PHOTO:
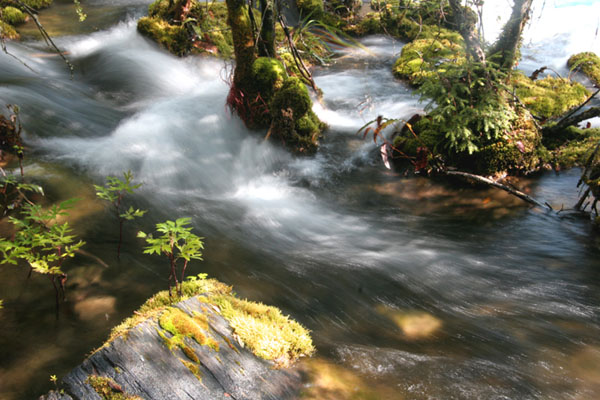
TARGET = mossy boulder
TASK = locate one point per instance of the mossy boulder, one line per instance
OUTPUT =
(174, 38)
(293, 118)
(588, 63)
(204, 30)
(269, 75)
(425, 58)
(549, 97)
(13, 16)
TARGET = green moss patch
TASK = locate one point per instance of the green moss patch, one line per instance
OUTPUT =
(108, 389)
(12, 15)
(426, 58)
(293, 118)
(204, 30)
(588, 63)
(549, 97)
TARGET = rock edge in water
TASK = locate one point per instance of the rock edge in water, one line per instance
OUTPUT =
(150, 362)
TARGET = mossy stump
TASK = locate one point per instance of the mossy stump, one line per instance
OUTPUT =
(209, 345)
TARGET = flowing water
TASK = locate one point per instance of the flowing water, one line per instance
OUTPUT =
(422, 289)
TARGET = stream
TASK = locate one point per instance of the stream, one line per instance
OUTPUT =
(337, 241)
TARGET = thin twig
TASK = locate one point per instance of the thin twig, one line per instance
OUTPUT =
(493, 183)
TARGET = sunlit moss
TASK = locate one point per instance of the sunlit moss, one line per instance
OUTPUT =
(12, 15)
(179, 323)
(157, 303)
(108, 389)
(425, 58)
(588, 63)
(549, 97)
(205, 30)
(265, 330)
(172, 37)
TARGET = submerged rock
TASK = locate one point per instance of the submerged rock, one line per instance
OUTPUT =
(198, 349)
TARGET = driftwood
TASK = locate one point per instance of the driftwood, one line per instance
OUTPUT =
(508, 189)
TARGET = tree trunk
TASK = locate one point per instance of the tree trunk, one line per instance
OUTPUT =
(243, 42)
(506, 49)
(266, 40)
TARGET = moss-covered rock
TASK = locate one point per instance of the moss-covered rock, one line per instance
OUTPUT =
(204, 31)
(13, 16)
(269, 75)
(549, 97)
(293, 118)
(425, 58)
(588, 63)
(174, 38)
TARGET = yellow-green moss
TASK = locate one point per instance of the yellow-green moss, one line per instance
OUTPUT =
(549, 97)
(12, 15)
(425, 58)
(588, 63)
(193, 367)
(157, 303)
(108, 388)
(174, 38)
(205, 30)
(269, 75)
(8, 31)
(265, 330)
(179, 323)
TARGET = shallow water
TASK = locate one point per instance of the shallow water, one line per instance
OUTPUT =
(506, 297)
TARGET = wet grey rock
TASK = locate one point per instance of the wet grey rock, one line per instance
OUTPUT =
(142, 365)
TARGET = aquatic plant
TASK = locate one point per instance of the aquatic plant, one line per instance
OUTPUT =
(177, 242)
(113, 192)
(42, 242)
